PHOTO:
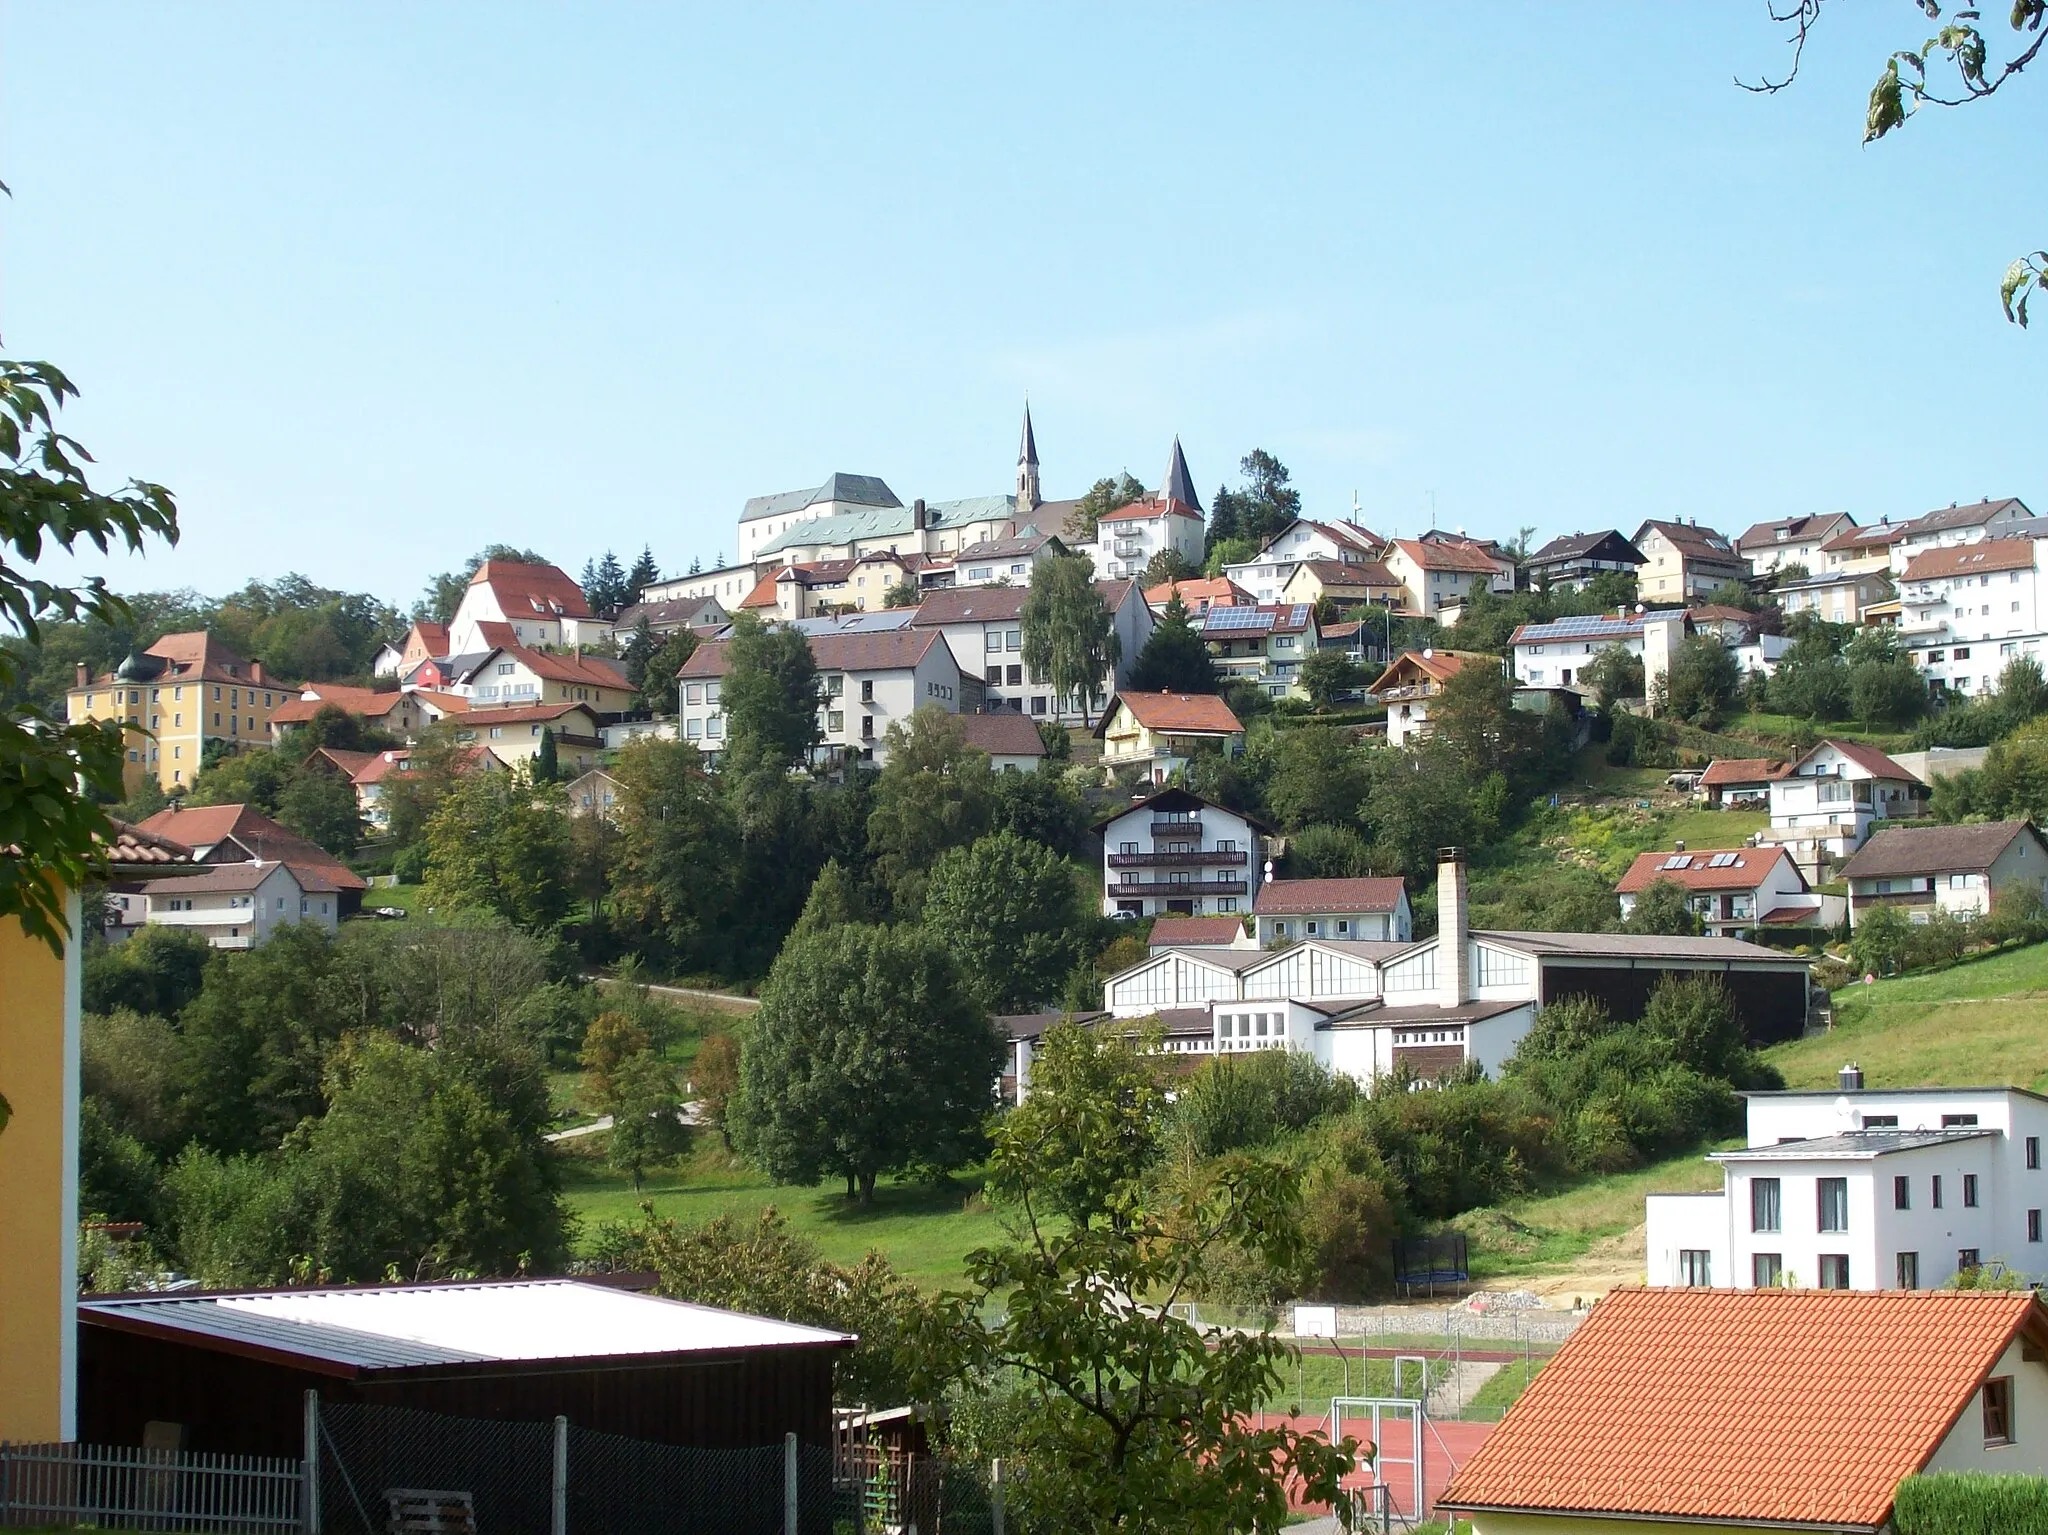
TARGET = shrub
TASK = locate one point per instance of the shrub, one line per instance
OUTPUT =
(1239, 1101)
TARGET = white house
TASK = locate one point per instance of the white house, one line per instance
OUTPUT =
(1303, 542)
(1733, 891)
(1412, 680)
(1770, 546)
(1824, 805)
(1372, 909)
(1012, 741)
(1264, 645)
(1176, 853)
(1683, 561)
(1006, 561)
(1129, 538)
(1436, 574)
(594, 793)
(983, 627)
(1855, 1188)
(238, 905)
(1966, 610)
(1965, 523)
(508, 603)
(867, 681)
(727, 586)
(1956, 869)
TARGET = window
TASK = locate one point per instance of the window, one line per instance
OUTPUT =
(1766, 1270)
(1834, 1271)
(995, 677)
(1038, 706)
(2033, 1225)
(693, 729)
(1968, 1259)
(1279, 929)
(992, 639)
(1881, 1122)
(1696, 1267)
(1909, 1271)
(1013, 639)
(835, 719)
(1226, 903)
(1343, 927)
(1834, 1204)
(867, 727)
(1016, 679)
(1934, 1192)
(1764, 1214)
(1998, 1411)
(1969, 1191)
(1127, 847)
(2033, 1153)
(1955, 1121)
(715, 726)
(1902, 1193)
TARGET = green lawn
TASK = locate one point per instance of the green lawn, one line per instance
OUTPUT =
(1501, 1391)
(923, 1231)
(1529, 1236)
(1779, 729)
(1984, 1023)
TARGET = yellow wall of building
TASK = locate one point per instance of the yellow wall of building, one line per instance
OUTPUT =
(183, 716)
(1569, 1524)
(38, 1186)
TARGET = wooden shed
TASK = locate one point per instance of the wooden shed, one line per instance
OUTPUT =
(232, 1369)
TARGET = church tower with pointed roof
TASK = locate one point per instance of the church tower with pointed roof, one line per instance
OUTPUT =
(1179, 485)
(1028, 498)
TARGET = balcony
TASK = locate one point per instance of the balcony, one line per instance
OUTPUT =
(1174, 890)
(1176, 828)
(1210, 860)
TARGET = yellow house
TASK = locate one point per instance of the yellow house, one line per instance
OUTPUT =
(1162, 731)
(1701, 1411)
(185, 690)
(39, 995)
(514, 675)
(513, 735)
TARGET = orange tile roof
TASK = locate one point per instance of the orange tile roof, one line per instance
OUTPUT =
(1219, 591)
(1437, 665)
(1201, 713)
(1727, 770)
(207, 826)
(1751, 866)
(1283, 897)
(1003, 735)
(1196, 932)
(1796, 1406)
(1457, 556)
(447, 703)
(365, 703)
(528, 714)
(585, 671)
(763, 594)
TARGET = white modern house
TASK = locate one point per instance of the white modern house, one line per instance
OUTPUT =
(1956, 869)
(1856, 1188)
(1176, 853)
(1374, 910)
(1968, 522)
(1824, 804)
(867, 681)
(238, 905)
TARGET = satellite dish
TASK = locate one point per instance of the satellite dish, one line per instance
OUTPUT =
(1427, 653)
(1845, 1109)
(1639, 607)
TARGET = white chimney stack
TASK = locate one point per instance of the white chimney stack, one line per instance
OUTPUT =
(1453, 927)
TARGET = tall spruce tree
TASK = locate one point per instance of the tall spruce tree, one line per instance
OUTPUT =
(1175, 659)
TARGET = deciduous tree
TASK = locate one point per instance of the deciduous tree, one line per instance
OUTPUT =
(1070, 638)
(935, 792)
(500, 843)
(770, 697)
(1010, 911)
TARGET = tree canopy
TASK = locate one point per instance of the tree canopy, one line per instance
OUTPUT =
(1175, 659)
(1070, 637)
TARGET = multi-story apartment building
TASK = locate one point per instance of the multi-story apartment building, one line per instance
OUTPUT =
(1967, 609)
(509, 603)
(1858, 1188)
(1437, 574)
(1770, 546)
(175, 697)
(1263, 645)
(1683, 561)
(867, 681)
(727, 585)
(1175, 852)
(1571, 560)
(1128, 539)
(1966, 523)
(983, 626)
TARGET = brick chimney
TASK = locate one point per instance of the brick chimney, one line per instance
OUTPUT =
(84, 675)
(917, 514)
(1453, 927)
(256, 673)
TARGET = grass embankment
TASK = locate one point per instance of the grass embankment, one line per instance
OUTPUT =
(1980, 1023)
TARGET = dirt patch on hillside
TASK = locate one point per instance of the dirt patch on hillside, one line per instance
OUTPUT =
(1611, 1261)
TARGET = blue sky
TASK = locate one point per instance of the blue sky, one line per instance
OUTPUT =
(368, 286)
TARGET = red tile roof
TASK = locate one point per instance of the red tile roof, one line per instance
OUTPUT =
(578, 670)
(1731, 770)
(863, 651)
(364, 703)
(1869, 758)
(763, 594)
(1286, 897)
(1456, 556)
(1180, 713)
(530, 591)
(971, 605)
(495, 634)
(243, 876)
(1196, 932)
(1797, 1406)
(1217, 591)
(433, 637)
(1003, 735)
(348, 763)
(528, 714)
(132, 845)
(1751, 866)
(208, 826)
(1147, 509)
(1692, 542)
(1437, 665)
(1969, 559)
(446, 703)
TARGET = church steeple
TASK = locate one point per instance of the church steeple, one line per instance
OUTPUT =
(1027, 468)
(1180, 485)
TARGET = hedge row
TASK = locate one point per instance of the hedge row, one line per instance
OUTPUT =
(1971, 1503)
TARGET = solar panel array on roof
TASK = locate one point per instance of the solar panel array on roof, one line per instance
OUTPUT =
(1237, 619)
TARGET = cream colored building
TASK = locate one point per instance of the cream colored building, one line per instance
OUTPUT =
(175, 697)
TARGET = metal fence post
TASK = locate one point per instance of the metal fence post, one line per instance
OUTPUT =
(309, 1489)
(559, 1514)
(995, 1497)
(789, 1484)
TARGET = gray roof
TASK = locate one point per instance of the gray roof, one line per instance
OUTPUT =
(1851, 1145)
(951, 514)
(1573, 546)
(1180, 485)
(839, 528)
(1973, 515)
(852, 489)
(1637, 946)
(971, 605)
(1002, 548)
(878, 622)
(1032, 1025)
(1027, 449)
(1935, 849)
(1371, 1015)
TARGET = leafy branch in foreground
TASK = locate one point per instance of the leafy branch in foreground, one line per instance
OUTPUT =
(1126, 1417)
(1959, 48)
(51, 830)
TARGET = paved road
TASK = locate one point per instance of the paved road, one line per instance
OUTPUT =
(692, 1113)
(692, 994)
